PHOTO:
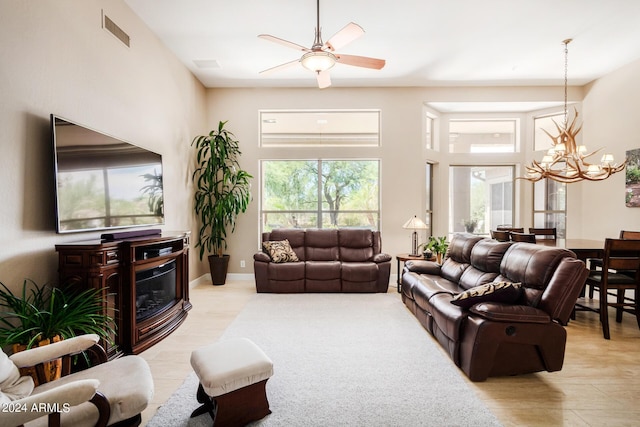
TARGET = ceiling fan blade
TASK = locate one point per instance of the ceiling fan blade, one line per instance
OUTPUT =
(324, 79)
(346, 35)
(283, 42)
(361, 61)
(280, 67)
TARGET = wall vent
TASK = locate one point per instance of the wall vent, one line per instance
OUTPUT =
(111, 26)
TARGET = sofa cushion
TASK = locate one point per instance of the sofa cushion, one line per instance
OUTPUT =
(286, 271)
(280, 251)
(359, 271)
(447, 317)
(355, 245)
(510, 313)
(428, 287)
(505, 292)
(473, 277)
(322, 270)
(458, 256)
(321, 245)
(533, 266)
(487, 254)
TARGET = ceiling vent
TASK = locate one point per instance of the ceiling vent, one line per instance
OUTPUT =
(207, 63)
(111, 26)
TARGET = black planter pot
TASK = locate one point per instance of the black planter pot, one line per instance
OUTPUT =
(218, 267)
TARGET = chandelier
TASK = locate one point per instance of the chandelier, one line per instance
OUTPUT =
(566, 161)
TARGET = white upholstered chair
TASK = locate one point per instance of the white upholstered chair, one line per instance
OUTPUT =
(108, 393)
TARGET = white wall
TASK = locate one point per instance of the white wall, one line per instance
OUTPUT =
(402, 151)
(57, 59)
(597, 209)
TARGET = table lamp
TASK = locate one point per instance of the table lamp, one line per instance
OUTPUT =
(415, 223)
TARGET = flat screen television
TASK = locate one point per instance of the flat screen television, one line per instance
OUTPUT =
(102, 182)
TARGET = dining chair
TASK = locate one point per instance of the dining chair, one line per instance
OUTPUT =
(544, 233)
(510, 228)
(523, 237)
(619, 255)
(501, 235)
(596, 263)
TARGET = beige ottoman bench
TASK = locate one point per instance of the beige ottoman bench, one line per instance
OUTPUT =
(233, 375)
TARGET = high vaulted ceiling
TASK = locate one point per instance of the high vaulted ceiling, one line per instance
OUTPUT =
(425, 42)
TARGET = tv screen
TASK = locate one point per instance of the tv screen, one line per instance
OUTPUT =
(103, 182)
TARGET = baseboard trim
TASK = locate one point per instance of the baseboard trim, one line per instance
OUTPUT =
(206, 278)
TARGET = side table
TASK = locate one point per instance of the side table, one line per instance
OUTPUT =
(404, 258)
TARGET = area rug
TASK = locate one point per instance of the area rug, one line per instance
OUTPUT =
(344, 360)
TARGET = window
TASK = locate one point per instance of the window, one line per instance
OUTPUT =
(328, 128)
(549, 197)
(480, 197)
(429, 207)
(550, 205)
(320, 194)
(428, 132)
(482, 136)
(542, 141)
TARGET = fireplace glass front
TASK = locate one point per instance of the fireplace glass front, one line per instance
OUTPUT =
(155, 289)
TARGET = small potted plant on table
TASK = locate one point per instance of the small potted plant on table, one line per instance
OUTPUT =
(439, 245)
(427, 249)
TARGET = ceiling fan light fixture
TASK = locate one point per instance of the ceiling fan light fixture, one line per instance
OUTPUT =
(318, 61)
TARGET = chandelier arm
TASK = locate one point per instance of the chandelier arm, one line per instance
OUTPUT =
(554, 138)
(591, 153)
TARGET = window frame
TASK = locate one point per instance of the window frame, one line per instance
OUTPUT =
(452, 225)
(514, 147)
(320, 211)
(321, 139)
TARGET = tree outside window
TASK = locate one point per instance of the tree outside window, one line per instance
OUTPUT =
(320, 194)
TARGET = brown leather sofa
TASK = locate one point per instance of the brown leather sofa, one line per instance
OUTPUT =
(497, 338)
(330, 260)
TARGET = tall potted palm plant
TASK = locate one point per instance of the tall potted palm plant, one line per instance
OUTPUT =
(222, 192)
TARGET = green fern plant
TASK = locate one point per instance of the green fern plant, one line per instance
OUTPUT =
(41, 312)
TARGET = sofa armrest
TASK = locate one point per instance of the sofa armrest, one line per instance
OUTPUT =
(501, 312)
(261, 256)
(423, 267)
(378, 258)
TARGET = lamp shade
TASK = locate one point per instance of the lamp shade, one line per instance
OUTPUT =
(415, 223)
(318, 61)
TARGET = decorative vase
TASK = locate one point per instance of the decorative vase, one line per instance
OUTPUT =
(439, 258)
(51, 370)
(427, 255)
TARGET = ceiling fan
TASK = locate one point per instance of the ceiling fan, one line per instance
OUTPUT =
(321, 57)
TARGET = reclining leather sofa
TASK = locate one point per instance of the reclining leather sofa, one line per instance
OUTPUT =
(492, 335)
(328, 260)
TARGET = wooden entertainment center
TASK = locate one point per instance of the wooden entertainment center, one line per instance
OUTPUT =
(144, 280)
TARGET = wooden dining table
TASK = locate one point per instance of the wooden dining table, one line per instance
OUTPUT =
(583, 248)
